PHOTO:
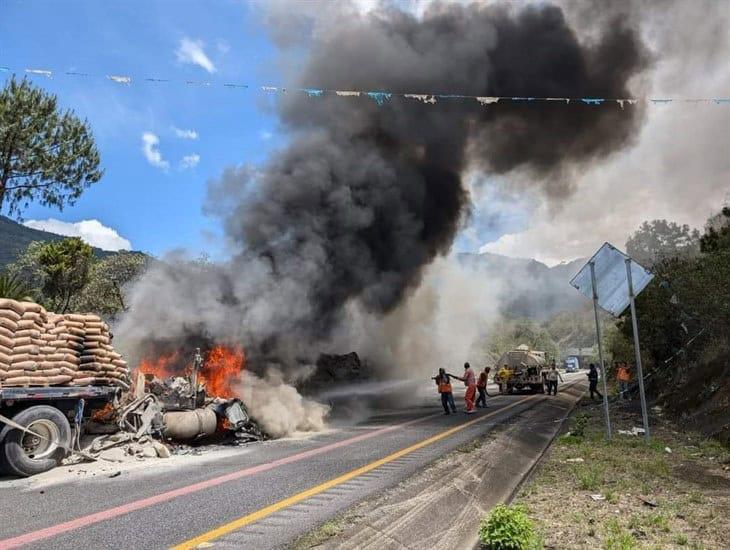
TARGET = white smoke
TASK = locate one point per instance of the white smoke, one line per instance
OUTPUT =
(278, 407)
(442, 324)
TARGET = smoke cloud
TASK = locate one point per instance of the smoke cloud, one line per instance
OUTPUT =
(365, 196)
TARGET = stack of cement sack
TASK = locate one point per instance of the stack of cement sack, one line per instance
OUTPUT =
(38, 348)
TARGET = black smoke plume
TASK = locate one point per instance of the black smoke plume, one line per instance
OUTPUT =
(366, 195)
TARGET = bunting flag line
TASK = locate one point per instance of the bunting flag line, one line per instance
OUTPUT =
(380, 97)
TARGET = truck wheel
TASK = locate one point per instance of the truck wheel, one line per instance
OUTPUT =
(24, 454)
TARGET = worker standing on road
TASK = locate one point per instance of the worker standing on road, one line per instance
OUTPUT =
(593, 381)
(482, 387)
(623, 373)
(470, 381)
(552, 380)
(443, 381)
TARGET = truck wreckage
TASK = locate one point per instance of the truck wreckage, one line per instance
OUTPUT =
(156, 418)
(60, 378)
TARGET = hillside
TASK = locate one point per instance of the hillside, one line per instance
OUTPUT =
(15, 238)
(530, 288)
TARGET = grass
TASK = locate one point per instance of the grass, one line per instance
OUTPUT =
(591, 477)
(688, 489)
(322, 534)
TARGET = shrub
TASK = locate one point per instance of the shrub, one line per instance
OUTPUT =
(508, 528)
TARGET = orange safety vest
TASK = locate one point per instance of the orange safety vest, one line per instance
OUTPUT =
(444, 385)
(623, 374)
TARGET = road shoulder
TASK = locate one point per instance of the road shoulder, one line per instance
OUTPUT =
(441, 506)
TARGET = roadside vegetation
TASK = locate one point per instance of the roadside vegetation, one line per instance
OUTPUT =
(625, 494)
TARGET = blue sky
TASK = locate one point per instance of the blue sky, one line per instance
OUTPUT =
(154, 199)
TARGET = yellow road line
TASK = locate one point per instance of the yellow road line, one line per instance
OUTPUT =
(294, 499)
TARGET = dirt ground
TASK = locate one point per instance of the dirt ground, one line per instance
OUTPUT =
(672, 493)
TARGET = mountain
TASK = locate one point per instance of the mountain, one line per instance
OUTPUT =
(15, 238)
(529, 288)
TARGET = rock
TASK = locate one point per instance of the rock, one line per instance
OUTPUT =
(149, 452)
(115, 454)
(161, 449)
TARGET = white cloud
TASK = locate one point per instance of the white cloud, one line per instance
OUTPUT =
(189, 161)
(185, 134)
(265, 135)
(150, 148)
(191, 51)
(92, 232)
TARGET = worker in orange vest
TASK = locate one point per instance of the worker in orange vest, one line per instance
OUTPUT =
(623, 373)
(482, 388)
(443, 382)
(470, 381)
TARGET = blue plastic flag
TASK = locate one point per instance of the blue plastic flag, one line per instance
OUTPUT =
(380, 97)
(592, 100)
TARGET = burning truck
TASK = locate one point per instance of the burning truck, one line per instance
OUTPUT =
(60, 378)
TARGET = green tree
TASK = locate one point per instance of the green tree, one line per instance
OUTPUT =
(717, 235)
(46, 155)
(26, 269)
(659, 240)
(105, 293)
(12, 287)
(66, 265)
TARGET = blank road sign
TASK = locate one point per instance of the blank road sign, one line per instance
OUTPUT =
(611, 280)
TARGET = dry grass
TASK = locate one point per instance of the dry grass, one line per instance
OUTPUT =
(690, 487)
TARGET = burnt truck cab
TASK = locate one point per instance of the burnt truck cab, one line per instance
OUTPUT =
(50, 415)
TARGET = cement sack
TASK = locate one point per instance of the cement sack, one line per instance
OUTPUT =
(68, 371)
(12, 373)
(48, 350)
(32, 307)
(47, 372)
(8, 324)
(6, 342)
(91, 345)
(93, 331)
(17, 381)
(13, 306)
(59, 379)
(74, 317)
(25, 324)
(76, 332)
(69, 358)
(6, 332)
(17, 342)
(91, 318)
(72, 324)
(98, 339)
(32, 333)
(26, 365)
(5, 359)
(30, 350)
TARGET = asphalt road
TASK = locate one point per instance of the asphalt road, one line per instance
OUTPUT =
(273, 492)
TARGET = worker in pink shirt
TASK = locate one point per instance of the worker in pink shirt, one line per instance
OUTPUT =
(470, 381)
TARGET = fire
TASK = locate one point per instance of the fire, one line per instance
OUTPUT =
(162, 366)
(105, 414)
(221, 369)
(222, 366)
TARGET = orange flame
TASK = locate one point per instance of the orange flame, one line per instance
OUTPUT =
(221, 369)
(162, 366)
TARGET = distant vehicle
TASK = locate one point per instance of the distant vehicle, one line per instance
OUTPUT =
(525, 370)
(571, 364)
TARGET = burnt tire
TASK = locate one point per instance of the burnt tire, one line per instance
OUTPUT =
(25, 455)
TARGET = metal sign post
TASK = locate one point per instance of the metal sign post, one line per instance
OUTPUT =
(639, 372)
(600, 350)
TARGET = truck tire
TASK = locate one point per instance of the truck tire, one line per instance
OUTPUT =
(23, 454)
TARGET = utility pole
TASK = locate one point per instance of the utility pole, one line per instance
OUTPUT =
(639, 372)
(600, 349)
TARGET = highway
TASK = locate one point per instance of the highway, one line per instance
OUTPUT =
(260, 496)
